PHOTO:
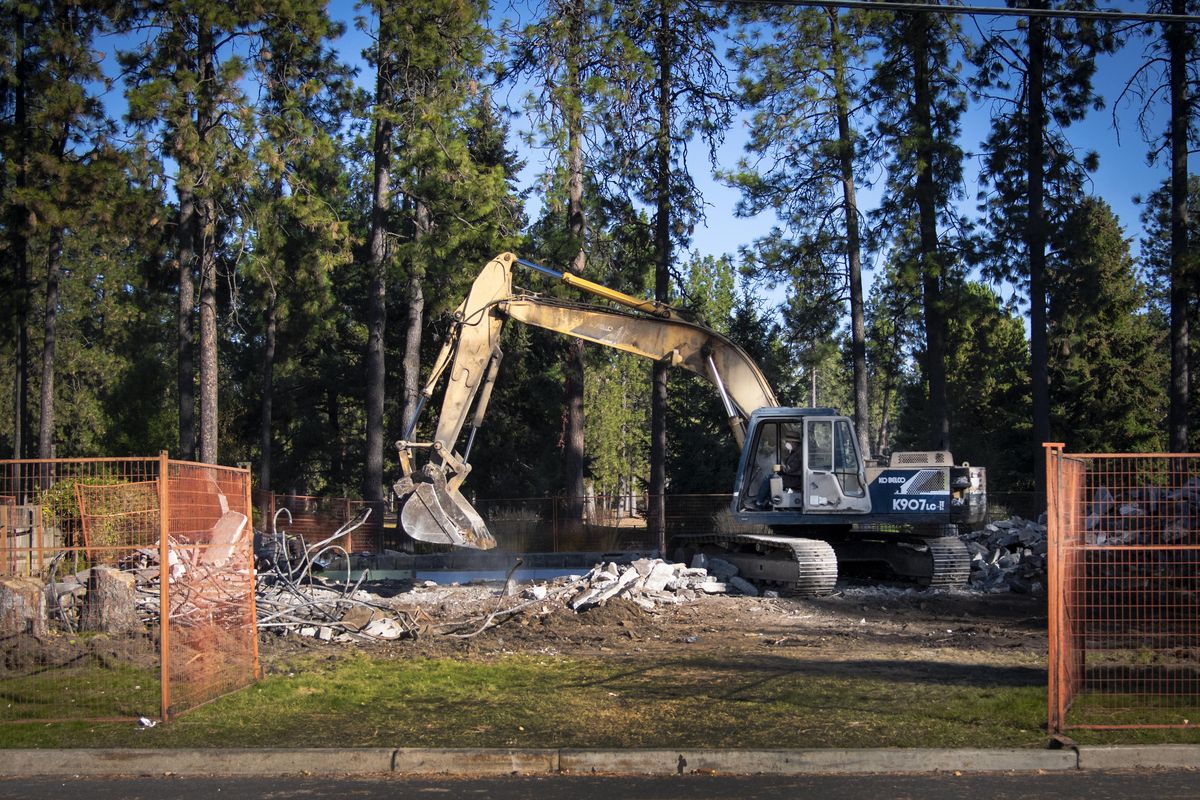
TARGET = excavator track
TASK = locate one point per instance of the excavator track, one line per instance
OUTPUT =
(794, 565)
(937, 562)
(951, 562)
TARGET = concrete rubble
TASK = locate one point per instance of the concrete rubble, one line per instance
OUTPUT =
(1147, 515)
(1008, 556)
(650, 582)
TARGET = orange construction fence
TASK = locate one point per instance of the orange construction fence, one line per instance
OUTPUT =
(126, 587)
(1124, 590)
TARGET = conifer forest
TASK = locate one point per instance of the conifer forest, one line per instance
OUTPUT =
(236, 230)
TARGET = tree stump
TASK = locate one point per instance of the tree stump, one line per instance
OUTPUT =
(22, 606)
(111, 602)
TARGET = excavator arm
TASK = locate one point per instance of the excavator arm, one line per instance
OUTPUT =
(434, 509)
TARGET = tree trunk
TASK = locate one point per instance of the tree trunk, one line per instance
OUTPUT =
(208, 261)
(1035, 242)
(573, 380)
(208, 336)
(50, 331)
(22, 607)
(858, 328)
(662, 267)
(337, 448)
(931, 265)
(1183, 279)
(110, 604)
(19, 244)
(377, 295)
(185, 253)
(416, 318)
(268, 394)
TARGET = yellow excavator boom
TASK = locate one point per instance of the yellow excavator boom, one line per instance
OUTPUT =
(434, 509)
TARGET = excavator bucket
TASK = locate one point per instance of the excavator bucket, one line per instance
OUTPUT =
(433, 513)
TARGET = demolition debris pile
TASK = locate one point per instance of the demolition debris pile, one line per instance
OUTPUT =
(1147, 515)
(650, 582)
(322, 611)
(1008, 556)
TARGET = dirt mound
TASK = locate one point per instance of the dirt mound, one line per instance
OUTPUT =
(617, 611)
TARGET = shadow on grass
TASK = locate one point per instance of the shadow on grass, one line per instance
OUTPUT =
(731, 678)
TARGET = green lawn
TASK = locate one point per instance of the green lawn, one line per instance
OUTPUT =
(353, 700)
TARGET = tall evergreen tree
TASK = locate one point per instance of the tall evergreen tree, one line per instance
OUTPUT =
(678, 89)
(893, 326)
(297, 198)
(921, 99)
(434, 201)
(1159, 256)
(53, 142)
(804, 87)
(1170, 69)
(563, 53)
(185, 87)
(1106, 357)
(1037, 79)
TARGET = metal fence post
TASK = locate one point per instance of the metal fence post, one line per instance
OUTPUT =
(253, 612)
(164, 584)
(1054, 591)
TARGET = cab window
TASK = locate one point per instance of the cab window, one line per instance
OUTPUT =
(820, 445)
(847, 461)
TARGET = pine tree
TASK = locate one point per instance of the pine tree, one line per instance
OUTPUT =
(805, 92)
(562, 52)
(185, 88)
(1106, 356)
(1038, 80)
(297, 201)
(921, 101)
(1170, 70)
(1158, 254)
(56, 160)
(672, 87)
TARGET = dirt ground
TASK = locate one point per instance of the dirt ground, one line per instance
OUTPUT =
(883, 625)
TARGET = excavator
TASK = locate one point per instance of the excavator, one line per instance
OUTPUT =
(800, 476)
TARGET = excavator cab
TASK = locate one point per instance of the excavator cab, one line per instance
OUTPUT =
(802, 460)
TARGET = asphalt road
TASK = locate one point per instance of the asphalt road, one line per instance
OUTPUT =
(1081, 785)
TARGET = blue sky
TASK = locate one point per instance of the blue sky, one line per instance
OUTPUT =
(1123, 171)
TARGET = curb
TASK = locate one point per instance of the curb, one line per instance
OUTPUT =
(1162, 756)
(480, 762)
(823, 761)
(483, 762)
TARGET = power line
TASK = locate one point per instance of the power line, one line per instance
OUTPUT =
(987, 11)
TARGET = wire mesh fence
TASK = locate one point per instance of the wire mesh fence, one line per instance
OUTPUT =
(1124, 585)
(82, 595)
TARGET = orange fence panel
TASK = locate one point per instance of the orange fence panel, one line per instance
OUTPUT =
(213, 638)
(81, 544)
(1124, 593)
